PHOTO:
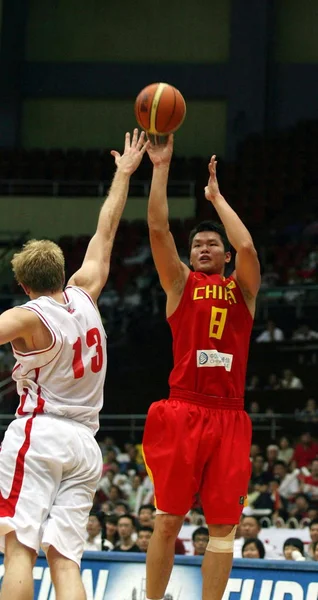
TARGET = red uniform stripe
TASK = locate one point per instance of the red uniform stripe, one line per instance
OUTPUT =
(8, 505)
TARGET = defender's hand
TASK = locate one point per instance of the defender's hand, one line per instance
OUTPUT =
(161, 154)
(134, 150)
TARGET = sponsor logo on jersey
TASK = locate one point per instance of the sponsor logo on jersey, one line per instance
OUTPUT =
(213, 358)
(203, 358)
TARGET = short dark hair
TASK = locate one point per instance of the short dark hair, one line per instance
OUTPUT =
(281, 463)
(113, 519)
(146, 506)
(313, 522)
(256, 519)
(210, 226)
(145, 528)
(297, 542)
(127, 516)
(200, 531)
(259, 545)
(122, 503)
(100, 516)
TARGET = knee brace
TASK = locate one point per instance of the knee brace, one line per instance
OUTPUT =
(222, 544)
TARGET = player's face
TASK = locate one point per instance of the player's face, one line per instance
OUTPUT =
(208, 254)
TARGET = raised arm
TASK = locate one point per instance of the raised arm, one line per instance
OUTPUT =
(172, 272)
(94, 271)
(247, 268)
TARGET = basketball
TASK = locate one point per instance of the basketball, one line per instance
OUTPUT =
(160, 109)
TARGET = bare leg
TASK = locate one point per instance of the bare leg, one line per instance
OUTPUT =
(216, 566)
(18, 577)
(66, 577)
(160, 554)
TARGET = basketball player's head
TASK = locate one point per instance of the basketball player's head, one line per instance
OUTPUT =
(39, 267)
(209, 248)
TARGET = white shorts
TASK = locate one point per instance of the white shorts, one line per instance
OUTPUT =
(49, 470)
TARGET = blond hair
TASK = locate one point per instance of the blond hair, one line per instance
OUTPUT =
(40, 266)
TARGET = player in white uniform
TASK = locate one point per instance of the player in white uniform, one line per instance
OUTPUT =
(50, 462)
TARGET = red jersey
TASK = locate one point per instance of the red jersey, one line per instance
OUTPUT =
(211, 330)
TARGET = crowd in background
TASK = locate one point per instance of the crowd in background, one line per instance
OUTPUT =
(283, 493)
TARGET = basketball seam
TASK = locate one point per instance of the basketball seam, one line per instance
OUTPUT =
(154, 107)
(174, 106)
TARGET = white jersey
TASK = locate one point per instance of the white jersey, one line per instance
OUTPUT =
(67, 378)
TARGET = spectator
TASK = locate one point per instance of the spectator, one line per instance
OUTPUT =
(108, 440)
(294, 549)
(306, 450)
(250, 528)
(262, 498)
(309, 414)
(289, 381)
(126, 529)
(252, 385)
(258, 475)
(145, 515)
(288, 482)
(200, 540)
(143, 538)
(285, 452)
(133, 463)
(315, 551)
(304, 334)
(121, 508)
(253, 548)
(196, 517)
(309, 481)
(137, 493)
(107, 507)
(273, 383)
(255, 449)
(111, 536)
(279, 514)
(271, 333)
(94, 529)
(271, 455)
(313, 532)
(106, 481)
(114, 493)
(301, 507)
(312, 514)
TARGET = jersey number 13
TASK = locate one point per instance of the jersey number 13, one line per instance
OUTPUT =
(93, 338)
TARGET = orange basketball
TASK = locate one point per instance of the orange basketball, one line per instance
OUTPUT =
(160, 109)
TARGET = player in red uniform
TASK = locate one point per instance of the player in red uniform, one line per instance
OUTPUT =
(199, 439)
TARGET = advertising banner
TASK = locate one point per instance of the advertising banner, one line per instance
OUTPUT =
(116, 576)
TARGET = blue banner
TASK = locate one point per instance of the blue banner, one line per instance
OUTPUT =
(118, 576)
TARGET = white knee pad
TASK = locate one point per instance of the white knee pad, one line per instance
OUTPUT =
(222, 545)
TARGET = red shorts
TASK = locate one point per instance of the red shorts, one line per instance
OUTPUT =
(192, 449)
